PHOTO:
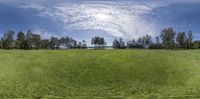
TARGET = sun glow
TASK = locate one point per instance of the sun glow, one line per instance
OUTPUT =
(102, 17)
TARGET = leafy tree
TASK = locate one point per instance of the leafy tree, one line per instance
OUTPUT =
(181, 39)
(140, 43)
(102, 42)
(1, 46)
(79, 45)
(95, 41)
(146, 41)
(167, 36)
(84, 44)
(116, 44)
(98, 42)
(26, 45)
(157, 44)
(7, 40)
(36, 41)
(54, 43)
(29, 40)
(130, 44)
(189, 40)
(45, 44)
(196, 44)
(20, 42)
(119, 44)
(68, 42)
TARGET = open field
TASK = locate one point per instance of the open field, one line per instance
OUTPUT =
(100, 73)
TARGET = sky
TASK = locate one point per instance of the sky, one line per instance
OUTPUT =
(84, 19)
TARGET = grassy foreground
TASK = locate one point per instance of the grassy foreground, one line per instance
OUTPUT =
(100, 73)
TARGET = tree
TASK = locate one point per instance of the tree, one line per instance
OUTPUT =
(7, 40)
(157, 44)
(45, 44)
(146, 41)
(132, 44)
(54, 43)
(140, 42)
(29, 40)
(116, 44)
(102, 42)
(181, 39)
(98, 42)
(36, 41)
(121, 43)
(1, 46)
(84, 44)
(73, 43)
(95, 41)
(157, 40)
(20, 42)
(189, 40)
(79, 45)
(68, 42)
(196, 44)
(129, 44)
(167, 36)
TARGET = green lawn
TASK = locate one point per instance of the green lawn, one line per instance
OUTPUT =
(100, 73)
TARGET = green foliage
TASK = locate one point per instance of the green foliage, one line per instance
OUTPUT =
(45, 44)
(99, 42)
(119, 44)
(1, 46)
(36, 41)
(82, 45)
(157, 44)
(32, 40)
(54, 43)
(142, 42)
(181, 39)
(100, 73)
(20, 42)
(196, 44)
(167, 36)
(7, 40)
(68, 42)
(146, 41)
(29, 39)
(189, 40)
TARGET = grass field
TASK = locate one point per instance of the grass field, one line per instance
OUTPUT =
(100, 73)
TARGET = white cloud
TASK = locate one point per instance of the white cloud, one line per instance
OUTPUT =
(44, 34)
(127, 19)
(122, 19)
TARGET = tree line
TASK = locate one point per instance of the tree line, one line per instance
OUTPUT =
(31, 40)
(168, 39)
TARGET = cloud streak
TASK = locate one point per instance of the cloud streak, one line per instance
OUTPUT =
(128, 19)
(121, 19)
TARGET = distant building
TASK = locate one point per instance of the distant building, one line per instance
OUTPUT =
(63, 46)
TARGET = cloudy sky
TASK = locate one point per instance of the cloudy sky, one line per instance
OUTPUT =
(83, 19)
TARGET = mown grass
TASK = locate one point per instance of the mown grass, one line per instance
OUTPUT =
(100, 73)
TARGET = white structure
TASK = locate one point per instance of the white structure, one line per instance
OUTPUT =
(63, 46)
